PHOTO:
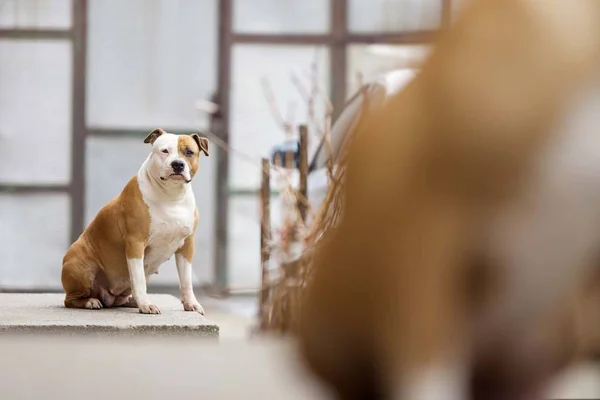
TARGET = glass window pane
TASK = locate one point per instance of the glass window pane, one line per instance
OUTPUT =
(34, 232)
(111, 162)
(39, 14)
(150, 61)
(244, 239)
(366, 62)
(254, 130)
(393, 15)
(35, 110)
(281, 16)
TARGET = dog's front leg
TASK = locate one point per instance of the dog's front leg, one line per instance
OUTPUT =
(134, 250)
(183, 259)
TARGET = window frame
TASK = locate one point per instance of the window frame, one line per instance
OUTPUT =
(337, 40)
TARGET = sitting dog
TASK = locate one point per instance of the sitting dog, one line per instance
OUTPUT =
(154, 217)
(471, 217)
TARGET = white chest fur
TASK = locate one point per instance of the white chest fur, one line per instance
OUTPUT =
(171, 222)
(170, 225)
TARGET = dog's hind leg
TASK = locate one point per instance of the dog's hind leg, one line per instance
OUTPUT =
(77, 282)
(83, 302)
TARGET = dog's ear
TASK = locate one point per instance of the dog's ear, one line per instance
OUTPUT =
(152, 136)
(202, 143)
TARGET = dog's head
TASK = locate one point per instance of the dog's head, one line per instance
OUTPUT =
(175, 157)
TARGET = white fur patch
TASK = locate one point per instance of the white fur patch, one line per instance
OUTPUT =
(165, 150)
(552, 233)
(184, 270)
(444, 380)
(171, 205)
(138, 281)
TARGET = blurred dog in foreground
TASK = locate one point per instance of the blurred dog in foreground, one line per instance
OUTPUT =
(466, 264)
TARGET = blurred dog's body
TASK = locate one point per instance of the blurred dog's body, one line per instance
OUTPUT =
(470, 242)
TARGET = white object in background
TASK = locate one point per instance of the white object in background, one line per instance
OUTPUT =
(207, 106)
(408, 56)
(379, 90)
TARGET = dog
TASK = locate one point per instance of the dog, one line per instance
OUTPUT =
(471, 217)
(154, 217)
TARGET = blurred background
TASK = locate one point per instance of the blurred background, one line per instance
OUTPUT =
(83, 81)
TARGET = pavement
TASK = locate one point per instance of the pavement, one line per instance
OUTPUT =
(145, 368)
(159, 357)
(165, 368)
(45, 314)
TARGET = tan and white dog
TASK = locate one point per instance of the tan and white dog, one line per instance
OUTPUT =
(154, 217)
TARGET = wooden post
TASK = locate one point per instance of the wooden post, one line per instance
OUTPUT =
(265, 239)
(303, 167)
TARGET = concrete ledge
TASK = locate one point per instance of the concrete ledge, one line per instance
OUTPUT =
(45, 314)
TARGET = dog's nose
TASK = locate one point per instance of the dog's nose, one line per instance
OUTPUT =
(177, 166)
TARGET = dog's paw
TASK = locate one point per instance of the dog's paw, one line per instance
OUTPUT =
(193, 306)
(93, 304)
(149, 309)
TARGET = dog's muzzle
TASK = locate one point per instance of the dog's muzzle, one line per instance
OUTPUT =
(178, 166)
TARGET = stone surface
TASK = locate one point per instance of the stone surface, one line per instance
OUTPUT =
(46, 314)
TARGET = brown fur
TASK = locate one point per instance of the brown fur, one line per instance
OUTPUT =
(187, 143)
(587, 316)
(152, 136)
(569, 335)
(95, 266)
(187, 250)
(387, 296)
(202, 143)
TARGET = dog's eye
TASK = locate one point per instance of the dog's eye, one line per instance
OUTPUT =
(189, 153)
(165, 151)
